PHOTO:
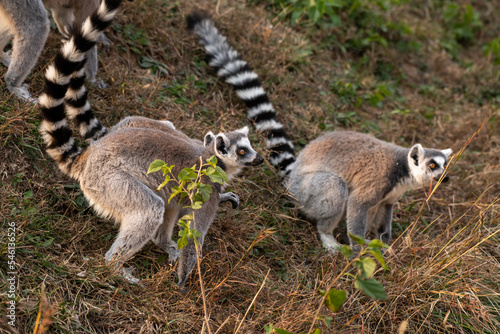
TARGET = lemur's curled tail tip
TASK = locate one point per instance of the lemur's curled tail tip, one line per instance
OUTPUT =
(195, 17)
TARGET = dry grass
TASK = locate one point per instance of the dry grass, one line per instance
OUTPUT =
(262, 264)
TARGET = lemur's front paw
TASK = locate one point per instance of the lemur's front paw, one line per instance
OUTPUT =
(99, 83)
(22, 93)
(230, 197)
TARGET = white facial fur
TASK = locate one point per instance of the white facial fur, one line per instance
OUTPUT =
(422, 174)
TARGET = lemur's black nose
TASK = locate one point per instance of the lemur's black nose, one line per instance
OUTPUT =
(257, 161)
(445, 178)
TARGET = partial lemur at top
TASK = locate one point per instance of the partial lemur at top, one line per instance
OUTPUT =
(27, 24)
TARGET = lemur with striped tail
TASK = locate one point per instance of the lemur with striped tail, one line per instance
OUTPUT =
(340, 175)
(112, 170)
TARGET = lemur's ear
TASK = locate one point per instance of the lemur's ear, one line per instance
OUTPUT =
(243, 130)
(209, 138)
(416, 154)
(221, 144)
(447, 152)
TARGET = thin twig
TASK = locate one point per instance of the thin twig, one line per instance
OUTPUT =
(253, 301)
(205, 311)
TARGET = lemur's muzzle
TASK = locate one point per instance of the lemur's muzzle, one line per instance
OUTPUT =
(256, 161)
(445, 178)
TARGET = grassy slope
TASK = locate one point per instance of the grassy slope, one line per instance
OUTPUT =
(443, 270)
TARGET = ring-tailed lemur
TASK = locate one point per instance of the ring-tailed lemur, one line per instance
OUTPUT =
(27, 22)
(341, 174)
(112, 170)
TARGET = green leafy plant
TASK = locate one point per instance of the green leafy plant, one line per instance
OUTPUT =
(492, 49)
(192, 192)
(370, 17)
(154, 66)
(136, 38)
(355, 93)
(190, 187)
(178, 91)
(462, 22)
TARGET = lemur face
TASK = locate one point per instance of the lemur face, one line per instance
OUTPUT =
(234, 148)
(427, 165)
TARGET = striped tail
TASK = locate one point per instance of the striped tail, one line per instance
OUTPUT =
(228, 65)
(65, 93)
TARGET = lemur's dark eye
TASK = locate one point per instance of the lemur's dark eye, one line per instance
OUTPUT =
(432, 165)
(242, 152)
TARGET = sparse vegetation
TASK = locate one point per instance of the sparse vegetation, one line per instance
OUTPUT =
(263, 265)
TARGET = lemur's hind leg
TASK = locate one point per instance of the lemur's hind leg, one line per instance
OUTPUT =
(356, 217)
(91, 68)
(383, 221)
(31, 26)
(163, 236)
(141, 217)
(323, 197)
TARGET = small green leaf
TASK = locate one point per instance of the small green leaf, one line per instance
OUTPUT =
(192, 185)
(175, 191)
(366, 266)
(376, 243)
(205, 191)
(182, 242)
(197, 205)
(281, 331)
(371, 287)
(345, 250)
(164, 183)
(155, 166)
(317, 331)
(334, 299)
(167, 169)
(377, 254)
(187, 217)
(214, 175)
(269, 328)
(212, 161)
(48, 242)
(221, 171)
(187, 174)
(357, 239)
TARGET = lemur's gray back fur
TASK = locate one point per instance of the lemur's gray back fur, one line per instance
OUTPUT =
(229, 65)
(28, 22)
